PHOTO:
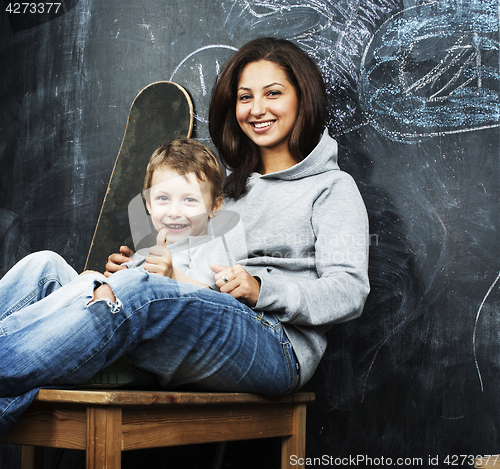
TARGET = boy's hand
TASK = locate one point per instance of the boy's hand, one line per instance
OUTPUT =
(116, 260)
(159, 260)
(236, 281)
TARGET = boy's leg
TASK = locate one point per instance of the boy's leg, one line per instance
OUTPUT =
(180, 332)
(32, 279)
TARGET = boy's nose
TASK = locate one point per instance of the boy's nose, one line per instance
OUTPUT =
(174, 211)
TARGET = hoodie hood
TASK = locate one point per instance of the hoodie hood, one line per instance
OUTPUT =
(322, 159)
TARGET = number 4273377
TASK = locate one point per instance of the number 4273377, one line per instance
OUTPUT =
(33, 8)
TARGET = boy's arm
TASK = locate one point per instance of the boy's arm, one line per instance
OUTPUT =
(116, 260)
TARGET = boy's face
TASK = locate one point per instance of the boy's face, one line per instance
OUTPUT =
(179, 204)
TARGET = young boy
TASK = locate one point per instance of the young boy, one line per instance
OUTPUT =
(182, 191)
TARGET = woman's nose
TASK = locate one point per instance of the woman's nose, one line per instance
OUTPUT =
(258, 108)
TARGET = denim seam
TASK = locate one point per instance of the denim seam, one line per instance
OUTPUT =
(9, 406)
(291, 384)
(21, 304)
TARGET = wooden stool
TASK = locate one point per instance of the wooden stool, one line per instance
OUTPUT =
(105, 423)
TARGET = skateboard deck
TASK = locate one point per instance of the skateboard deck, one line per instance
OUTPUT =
(160, 113)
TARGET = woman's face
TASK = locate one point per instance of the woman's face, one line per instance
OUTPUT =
(266, 106)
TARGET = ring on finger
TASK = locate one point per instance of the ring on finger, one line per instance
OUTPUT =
(225, 278)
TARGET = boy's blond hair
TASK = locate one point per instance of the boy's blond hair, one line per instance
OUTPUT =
(187, 155)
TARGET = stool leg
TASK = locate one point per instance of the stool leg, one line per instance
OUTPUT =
(32, 457)
(104, 437)
(293, 448)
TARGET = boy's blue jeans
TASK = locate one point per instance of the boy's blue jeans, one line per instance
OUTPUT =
(53, 335)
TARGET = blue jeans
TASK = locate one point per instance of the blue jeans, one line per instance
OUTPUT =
(53, 334)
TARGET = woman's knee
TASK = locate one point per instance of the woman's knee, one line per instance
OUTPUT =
(104, 291)
(44, 259)
(54, 263)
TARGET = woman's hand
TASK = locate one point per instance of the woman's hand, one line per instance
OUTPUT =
(116, 260)
(236, 281)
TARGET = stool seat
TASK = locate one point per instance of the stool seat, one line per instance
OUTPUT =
(105, 423)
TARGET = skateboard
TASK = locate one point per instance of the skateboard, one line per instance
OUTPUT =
(160, 113)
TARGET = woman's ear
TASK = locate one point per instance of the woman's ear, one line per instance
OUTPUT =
(216, 208)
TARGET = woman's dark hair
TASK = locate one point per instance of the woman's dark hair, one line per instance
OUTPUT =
(236, 150)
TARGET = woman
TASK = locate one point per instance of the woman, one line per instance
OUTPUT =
(305, 256)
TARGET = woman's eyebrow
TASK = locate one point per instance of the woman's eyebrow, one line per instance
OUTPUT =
(244, 88)
(273, 84)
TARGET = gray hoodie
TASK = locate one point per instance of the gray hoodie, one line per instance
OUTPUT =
(306, 232)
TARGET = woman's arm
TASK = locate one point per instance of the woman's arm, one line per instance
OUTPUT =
(337, 285)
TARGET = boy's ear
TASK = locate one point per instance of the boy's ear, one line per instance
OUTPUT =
(217, 207)
(148, 207)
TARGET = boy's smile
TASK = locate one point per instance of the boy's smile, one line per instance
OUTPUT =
(179, 204)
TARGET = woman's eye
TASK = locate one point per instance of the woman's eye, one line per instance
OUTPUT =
(245, 97)
(274, 93)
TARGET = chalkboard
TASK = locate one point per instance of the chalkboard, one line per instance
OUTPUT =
(413, 98)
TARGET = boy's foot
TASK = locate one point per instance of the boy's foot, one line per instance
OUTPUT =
(120, 373)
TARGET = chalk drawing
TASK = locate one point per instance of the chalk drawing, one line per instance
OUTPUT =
(475, 329)
(429, 70)
(197, 73)
(433, 69)
(333, 33)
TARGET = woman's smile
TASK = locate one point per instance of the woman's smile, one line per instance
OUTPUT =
(266, 109)
(261, 127)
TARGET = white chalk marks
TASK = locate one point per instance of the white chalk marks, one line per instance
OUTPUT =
(197, 73)
(334, 33)
(475, 328)
(433, 69)
(428, 70)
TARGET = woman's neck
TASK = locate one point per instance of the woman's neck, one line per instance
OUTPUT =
(272, 161)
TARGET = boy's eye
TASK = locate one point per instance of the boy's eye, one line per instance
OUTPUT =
(191, 200)
(162, 198)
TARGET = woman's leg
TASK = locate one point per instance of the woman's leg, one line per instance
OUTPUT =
(32, 279)
(185, 334)
(182, 333)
